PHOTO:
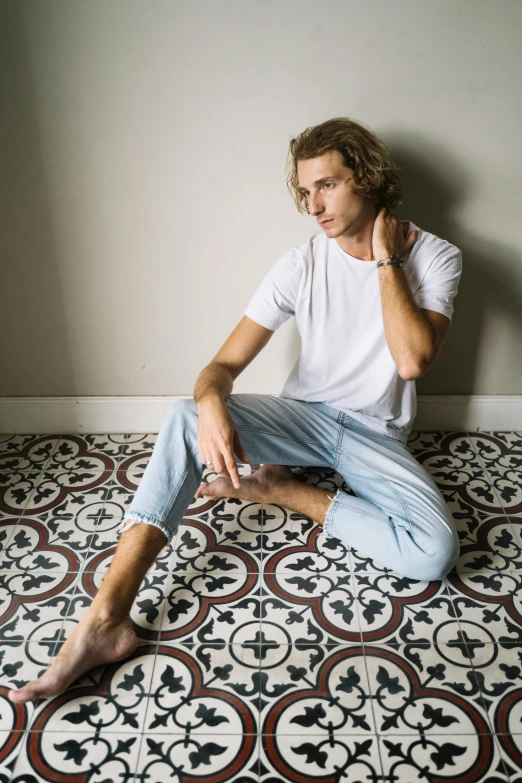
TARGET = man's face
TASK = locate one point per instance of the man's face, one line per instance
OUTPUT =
(326, 182)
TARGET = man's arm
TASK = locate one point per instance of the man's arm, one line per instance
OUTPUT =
(412, 339)
(240, 348)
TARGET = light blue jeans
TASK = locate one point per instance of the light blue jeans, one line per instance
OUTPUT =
(398, 516)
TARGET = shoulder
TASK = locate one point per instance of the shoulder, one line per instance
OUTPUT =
(429, 246)
(431, 255)
(312, 249)
(289, 267)
(298, 257)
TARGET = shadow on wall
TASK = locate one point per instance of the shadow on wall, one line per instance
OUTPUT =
(434, 187)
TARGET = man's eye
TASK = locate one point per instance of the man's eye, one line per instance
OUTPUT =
(328, 183)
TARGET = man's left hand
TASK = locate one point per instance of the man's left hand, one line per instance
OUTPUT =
(389, 235)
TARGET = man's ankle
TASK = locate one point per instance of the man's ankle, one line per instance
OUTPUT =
(107, 612)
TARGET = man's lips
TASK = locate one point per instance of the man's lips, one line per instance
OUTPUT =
(323, 222)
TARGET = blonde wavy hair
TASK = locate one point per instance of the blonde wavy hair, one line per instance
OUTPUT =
(374, 172)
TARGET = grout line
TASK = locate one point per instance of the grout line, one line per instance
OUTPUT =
(149, 696)
(447, 590)
(7, 543)
(53, 452)
(504, 760)
(22, 512)
(492, 484)
(28, 499)
(259, 673)
(490, 481)
(38, 702)
(370, 693)
(108, 490)
(495, 490)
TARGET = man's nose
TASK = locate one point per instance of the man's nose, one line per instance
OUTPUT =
(314, 206)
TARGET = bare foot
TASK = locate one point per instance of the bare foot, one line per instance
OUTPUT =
(93, 642)
(257, 487)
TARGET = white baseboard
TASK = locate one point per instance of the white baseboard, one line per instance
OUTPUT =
(46, 415)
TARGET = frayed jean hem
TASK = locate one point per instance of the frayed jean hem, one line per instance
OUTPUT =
(328, 520)
(137, 518)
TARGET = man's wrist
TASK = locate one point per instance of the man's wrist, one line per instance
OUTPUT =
(386, 254)
(210, 398)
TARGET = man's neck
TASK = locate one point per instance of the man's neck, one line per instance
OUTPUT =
(358, 245)
(359, 250)
(357, 239)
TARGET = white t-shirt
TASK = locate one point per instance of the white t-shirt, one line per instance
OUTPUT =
(345, 361)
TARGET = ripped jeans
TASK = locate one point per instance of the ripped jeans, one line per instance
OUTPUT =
(397, 517)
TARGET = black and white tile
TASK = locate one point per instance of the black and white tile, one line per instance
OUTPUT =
(267, 652)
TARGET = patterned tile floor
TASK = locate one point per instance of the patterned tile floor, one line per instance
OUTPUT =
(267, 652)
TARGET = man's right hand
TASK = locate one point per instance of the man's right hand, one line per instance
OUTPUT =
(218, 438)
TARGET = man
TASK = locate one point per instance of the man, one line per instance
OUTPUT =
(372, 297)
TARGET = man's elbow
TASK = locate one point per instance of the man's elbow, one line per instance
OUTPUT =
(414, 371)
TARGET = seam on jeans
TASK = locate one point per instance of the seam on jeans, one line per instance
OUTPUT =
(286, 437)
(278, 434)
(399, 498)
(338, 445)
(360, 512)
(176, 490)
(337, 501)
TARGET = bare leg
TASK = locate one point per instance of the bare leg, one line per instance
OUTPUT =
(105, 633)
(274, 484)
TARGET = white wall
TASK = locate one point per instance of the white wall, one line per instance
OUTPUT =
(142, 188)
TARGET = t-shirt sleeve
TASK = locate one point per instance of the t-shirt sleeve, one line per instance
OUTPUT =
(440, 284)
(275, 299)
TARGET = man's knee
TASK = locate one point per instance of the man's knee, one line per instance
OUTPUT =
(440, 562)
(181, 422)
(184, 408)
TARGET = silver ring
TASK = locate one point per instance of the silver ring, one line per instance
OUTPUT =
(209, 462)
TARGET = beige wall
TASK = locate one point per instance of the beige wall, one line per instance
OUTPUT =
(143, 196)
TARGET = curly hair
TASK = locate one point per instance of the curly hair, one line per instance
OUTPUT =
(374, 172)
